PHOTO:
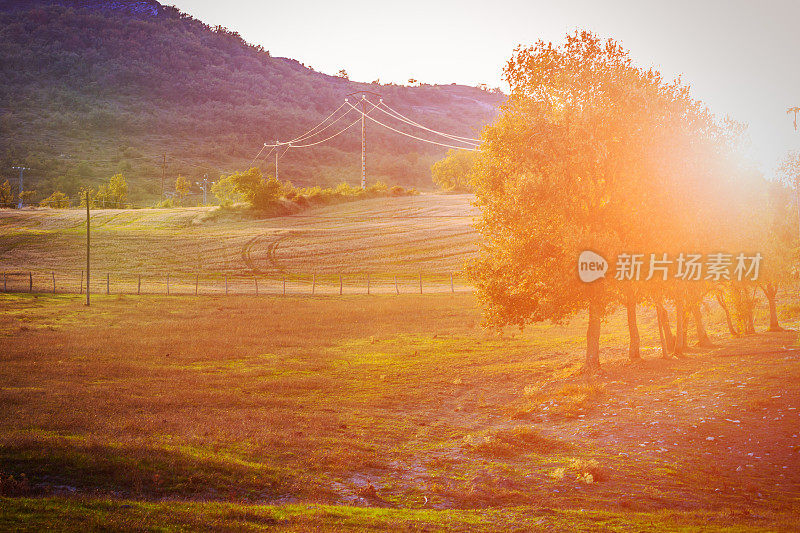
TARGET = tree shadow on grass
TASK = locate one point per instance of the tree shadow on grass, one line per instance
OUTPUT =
(146, 472)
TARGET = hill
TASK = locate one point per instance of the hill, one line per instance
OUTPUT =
(92, 87)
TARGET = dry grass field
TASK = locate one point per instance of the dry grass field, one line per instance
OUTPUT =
(389, 412)
(298, 413)
(381, 238)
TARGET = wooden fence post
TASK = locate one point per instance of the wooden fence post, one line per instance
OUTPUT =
(30, 281)
(313, 283)
(5, 283)
(396, 288)
(452, 287)
(54, 282)
(340, 284)
(167, 283)
(196, 283)
(139, 285)
(81, 283)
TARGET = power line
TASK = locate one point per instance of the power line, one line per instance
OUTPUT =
(309, 132)
(392, 113)
(290, 145)
(418, 138)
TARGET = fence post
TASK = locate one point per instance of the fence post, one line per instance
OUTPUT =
(81, 283)
(226, 284)
(108, 283)
(368, 283)
(30, 281)
(167, 283)
(452, 287)
(256, 280)
(313, 283)
(196, 283)
(340, 284)
(139, 285)
(420, 282)
(54, 282)
(396, 288)
(5, 283)
(88, 238)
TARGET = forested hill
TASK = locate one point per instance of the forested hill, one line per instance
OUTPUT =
(93, 87)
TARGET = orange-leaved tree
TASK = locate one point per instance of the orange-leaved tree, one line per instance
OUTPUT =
(589, 153)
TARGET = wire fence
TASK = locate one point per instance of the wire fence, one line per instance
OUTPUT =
(205, 283)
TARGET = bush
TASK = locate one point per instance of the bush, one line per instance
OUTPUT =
(268, 194)
(454, 172)
(57, 200)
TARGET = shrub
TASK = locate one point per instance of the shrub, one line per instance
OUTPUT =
(57, 200)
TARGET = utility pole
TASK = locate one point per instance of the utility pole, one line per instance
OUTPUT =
(21, 170)
(87, 248)
(205, 187)
(277, 142)
(794, 110)
(163, 175)
(363, 143)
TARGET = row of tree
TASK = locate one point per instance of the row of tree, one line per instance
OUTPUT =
(591, 152)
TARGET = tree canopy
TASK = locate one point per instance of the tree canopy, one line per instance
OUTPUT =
(594, 153)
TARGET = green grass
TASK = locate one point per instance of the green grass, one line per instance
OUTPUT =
(27, 514)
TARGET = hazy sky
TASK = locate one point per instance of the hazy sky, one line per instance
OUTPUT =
(740, 57)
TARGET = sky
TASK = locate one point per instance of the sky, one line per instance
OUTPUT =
(739, 56)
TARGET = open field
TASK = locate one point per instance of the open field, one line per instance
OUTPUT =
(382, 237)
(346, 413)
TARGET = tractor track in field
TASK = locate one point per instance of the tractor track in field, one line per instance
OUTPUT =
(247, 252)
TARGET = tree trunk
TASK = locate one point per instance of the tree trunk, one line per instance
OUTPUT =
(724, 306)
(749, 324)
(702, 335)
(771, 292)
(664, 349)
(593, 339)
(680, 327)
(663, 320)
(633, 329)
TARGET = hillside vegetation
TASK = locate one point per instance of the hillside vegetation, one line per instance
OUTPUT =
(90, 88)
